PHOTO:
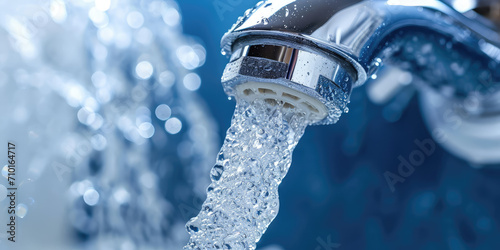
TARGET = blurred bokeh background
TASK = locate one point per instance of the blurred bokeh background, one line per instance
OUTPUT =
(117, 112)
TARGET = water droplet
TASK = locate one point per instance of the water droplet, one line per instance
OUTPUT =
(135, 19)
(220, 157)
(121, 195)
(5, 171)
(91, 197)
(216, 172)
(163, 112)
(21, 210)
(173, 126)
(144, 70)
(193, 225)
(374, 67)
(247, 12)
(265, 21)
(192, 81)
(287, 12)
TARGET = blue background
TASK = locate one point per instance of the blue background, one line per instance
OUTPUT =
(336, 192)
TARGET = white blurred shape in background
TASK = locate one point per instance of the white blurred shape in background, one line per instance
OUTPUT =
(98, 97)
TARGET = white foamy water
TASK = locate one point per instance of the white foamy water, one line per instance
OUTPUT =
(242, 199)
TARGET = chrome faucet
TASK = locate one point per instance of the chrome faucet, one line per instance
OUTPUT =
(310, 54)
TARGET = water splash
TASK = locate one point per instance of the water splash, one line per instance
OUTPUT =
(242, 199)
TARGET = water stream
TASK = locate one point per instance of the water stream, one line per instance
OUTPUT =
(242, 199)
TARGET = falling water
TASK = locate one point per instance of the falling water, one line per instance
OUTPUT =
(242, 199)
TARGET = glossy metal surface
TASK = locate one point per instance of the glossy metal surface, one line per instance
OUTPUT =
(303, 67)
(313, 74)
(363, 35)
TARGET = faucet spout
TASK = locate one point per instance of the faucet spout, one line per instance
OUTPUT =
(324, 48)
